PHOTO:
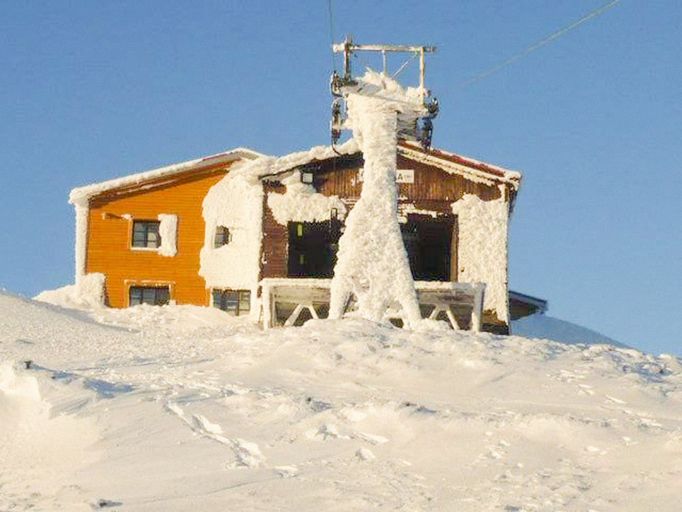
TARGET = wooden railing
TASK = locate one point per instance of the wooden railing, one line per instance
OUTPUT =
(312, 295)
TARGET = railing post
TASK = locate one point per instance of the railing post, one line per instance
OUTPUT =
(477, 311)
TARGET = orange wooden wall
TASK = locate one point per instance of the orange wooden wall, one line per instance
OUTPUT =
(109, 238)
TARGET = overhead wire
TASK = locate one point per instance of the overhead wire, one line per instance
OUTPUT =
(331, 33)
(331, 50)
(404, 65)
(542, 42)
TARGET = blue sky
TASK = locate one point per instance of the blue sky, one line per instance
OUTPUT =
(93, 90)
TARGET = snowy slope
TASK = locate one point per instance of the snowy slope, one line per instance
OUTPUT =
(170, 410)
(550, 328)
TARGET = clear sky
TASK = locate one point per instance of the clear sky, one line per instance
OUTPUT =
(94, 90)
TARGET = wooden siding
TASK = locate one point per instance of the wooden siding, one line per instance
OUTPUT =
(109, 237)
(433, 190)
(340, 177)
(275, 246)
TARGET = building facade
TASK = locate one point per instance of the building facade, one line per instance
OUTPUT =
(207, 232)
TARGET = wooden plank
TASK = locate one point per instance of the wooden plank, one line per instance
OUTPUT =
(292, 294)
(294, 316)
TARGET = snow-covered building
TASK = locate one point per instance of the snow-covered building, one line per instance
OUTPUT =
(212, 231)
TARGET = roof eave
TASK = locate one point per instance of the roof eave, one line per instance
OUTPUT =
(464, 165)
(81, 195)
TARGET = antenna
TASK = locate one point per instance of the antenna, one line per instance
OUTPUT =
(422, 130)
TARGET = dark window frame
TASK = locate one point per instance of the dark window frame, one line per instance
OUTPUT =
(151, 295)
(141, 239)
(235, 302)
(221, 237)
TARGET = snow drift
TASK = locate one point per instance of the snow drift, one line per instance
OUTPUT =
(87, 293)
(40, 447)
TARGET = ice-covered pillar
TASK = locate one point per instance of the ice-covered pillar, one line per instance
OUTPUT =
(372, 262)
(81, 241)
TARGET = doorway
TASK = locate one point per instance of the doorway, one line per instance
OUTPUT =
(428, 242)
(312, 248)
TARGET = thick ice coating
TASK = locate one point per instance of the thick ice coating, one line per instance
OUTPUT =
(372, 262)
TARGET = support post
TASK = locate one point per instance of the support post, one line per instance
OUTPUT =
(477, 311)
(267, 307)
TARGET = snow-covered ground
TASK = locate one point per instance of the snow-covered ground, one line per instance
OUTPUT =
(182, 408)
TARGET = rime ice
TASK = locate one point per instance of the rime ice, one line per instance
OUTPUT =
(372, 262)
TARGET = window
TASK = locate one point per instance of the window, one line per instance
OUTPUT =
(235, 302)
(312, 248)
(222, 237)
(152, 295)
(146, 234)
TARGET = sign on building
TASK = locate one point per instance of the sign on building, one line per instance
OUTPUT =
(405, 176)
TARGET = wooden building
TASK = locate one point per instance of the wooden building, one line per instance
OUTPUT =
(240, 219)
(108, 215)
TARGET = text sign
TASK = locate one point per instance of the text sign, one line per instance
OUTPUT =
(404, 176)
(401, 176)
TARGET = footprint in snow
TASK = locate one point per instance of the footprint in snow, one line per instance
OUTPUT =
(372, 438)
(248, 453)
(585, 389)
(101, 503)
(497, 451)
(327, 431)
(595, 450)
(201, 423)
(365, 454)
(286, 471)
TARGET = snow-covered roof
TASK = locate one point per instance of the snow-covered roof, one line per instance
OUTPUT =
(270, 167)
(263, 167)
(459, 163)
(450, 162)
(82, 194)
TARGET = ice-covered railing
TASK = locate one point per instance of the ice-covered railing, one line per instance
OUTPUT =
(312, 295)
